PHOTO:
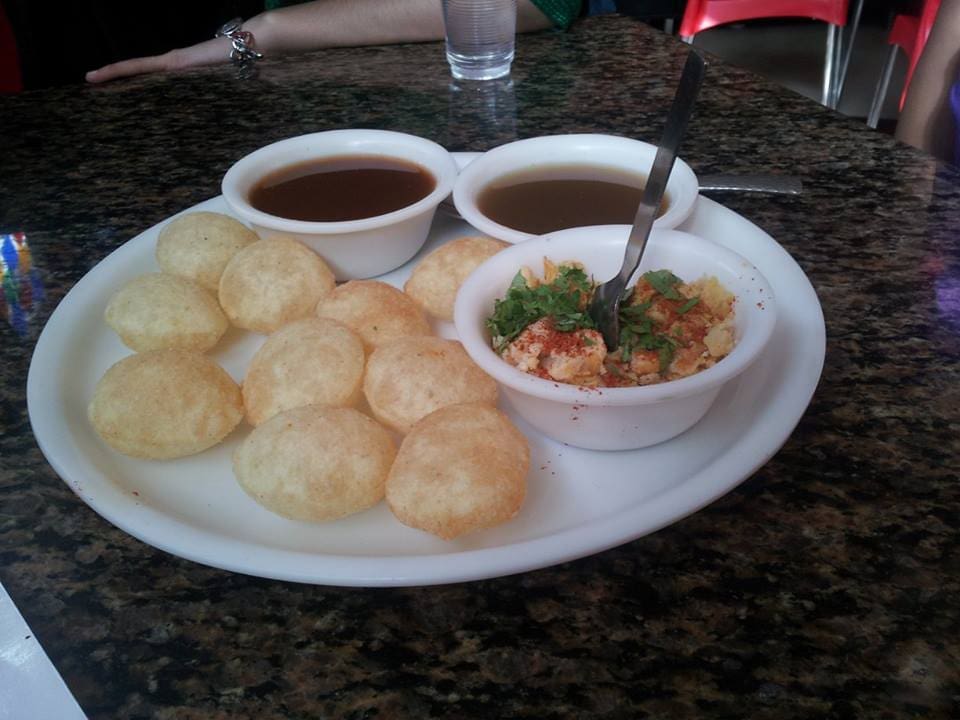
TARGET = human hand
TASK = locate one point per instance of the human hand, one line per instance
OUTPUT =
(209, 52)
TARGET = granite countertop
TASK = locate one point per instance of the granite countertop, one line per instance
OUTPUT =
(825, 585)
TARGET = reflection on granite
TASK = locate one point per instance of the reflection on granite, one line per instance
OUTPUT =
(824, 586)
(21, 289)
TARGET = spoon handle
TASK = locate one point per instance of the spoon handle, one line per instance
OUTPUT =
(605, 305)
(778, 184)
(673, 132)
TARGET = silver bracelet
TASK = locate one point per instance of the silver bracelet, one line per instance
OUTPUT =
(242, 53)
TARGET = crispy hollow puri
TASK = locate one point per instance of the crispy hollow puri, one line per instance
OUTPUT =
(273, 282)
(437, 278)
(378, 312)
(413, 376)
(315, 463)
(165, 404)
(198, 246)
(158, 310)
(313, 361)
(460, 469)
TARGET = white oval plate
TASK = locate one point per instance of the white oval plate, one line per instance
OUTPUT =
(579, 502)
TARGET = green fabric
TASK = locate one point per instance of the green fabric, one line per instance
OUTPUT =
(560, 12)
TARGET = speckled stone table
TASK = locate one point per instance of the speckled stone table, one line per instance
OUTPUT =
(825, 586)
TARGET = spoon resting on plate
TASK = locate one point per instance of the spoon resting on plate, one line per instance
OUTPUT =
(753, 183)
(604, 308)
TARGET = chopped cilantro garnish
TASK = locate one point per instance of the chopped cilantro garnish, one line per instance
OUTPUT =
(665, 354)
(688, 305)
(638, 331)
(565, 300)
(664, 282)
(638, 311)
(641, 336)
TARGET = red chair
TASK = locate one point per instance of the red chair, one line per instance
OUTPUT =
(910, 33)
(704, 14)
(11, 80)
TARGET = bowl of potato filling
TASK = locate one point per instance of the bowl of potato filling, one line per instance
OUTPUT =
(694, 318)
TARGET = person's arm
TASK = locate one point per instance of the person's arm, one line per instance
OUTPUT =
(316, 25)
(927, 120)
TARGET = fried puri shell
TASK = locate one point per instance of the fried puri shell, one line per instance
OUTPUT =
(198, 246)
(378, 312)
(315, 463)
(460, 469)
(437, 278)
(273, 282)
(413, 376)
(313, 361)
(165, 404)
(158, 310)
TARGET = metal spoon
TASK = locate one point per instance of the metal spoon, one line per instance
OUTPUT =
(775, 184)
(756, 183)
(605, 306)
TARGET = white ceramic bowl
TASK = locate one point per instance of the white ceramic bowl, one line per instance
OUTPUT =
(584, 149)
(355, 248)
(616, 418)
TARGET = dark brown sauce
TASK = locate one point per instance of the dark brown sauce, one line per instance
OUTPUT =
(546, 199)
(347, 187)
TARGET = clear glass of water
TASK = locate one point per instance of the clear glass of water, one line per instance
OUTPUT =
(480, 37)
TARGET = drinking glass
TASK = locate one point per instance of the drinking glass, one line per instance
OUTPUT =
(480, 37)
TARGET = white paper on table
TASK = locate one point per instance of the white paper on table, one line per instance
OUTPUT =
(30, 687)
